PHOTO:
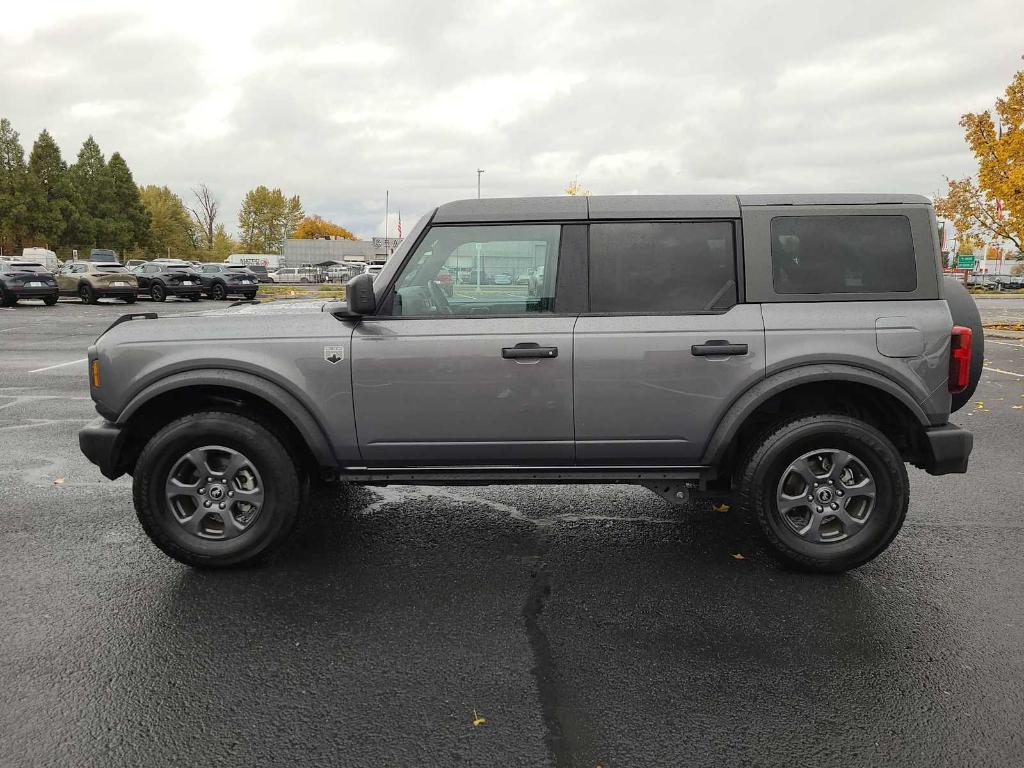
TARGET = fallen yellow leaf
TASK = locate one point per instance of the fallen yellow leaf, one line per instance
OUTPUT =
(738, 556)
(477, 720)
(720, 508)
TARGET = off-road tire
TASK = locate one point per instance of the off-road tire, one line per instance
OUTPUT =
(283, 488)
(761, 471)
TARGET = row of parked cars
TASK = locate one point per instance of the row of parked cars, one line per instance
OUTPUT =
(91, 281)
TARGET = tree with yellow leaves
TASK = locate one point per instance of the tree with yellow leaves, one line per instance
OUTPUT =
(992, 206)
(315, 228)
(575, 189)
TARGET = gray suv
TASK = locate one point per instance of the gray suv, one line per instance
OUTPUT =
(796, 351)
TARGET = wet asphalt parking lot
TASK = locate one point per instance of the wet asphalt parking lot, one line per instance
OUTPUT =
(576, 626)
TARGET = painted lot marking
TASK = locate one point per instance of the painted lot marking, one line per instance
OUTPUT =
(1008, 373)
(1004, 343)
(15, 328)
(59, 365)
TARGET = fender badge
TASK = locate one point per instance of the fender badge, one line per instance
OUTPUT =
(334, 355)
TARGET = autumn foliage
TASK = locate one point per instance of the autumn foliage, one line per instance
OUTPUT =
(992, 205)
(314, 227)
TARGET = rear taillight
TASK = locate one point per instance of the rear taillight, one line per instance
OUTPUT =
(959, 359)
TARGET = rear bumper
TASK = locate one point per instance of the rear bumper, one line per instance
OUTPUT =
(101, 442)
(949, 448)
(115, 293)
(32, 293)
(237, 289)
(184, 290)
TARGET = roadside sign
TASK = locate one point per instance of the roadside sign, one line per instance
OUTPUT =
(387, 242)
(965, 262)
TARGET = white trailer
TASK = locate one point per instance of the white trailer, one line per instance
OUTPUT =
(272, 261)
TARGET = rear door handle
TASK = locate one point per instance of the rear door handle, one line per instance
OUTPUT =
(718, 347)
(527, 350)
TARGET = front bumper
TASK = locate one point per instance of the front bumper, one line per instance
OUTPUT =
(101, 441)
(949, 448)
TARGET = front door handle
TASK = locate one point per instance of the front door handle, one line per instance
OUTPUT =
(717, 347)
(527, 350)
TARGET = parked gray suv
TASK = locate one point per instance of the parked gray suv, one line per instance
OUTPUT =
(794, 350)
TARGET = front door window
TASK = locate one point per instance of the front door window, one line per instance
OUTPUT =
(480, 270)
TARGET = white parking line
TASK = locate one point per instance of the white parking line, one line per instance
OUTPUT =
(59, 365)
(15, 328)
(1004, 343)
(1008, 373)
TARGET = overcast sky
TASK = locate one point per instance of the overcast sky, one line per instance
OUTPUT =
(338, 101)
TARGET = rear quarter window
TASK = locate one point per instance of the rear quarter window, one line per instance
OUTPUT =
(842, 254)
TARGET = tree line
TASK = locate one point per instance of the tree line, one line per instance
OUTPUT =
(95, 203)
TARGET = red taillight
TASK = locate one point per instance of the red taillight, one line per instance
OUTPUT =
(959, 359)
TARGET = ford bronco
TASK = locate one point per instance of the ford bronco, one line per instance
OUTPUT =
(795, 351)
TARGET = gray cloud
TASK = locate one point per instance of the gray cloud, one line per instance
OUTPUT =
(345, 100)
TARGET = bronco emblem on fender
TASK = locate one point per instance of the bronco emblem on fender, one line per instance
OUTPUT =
(334, 355)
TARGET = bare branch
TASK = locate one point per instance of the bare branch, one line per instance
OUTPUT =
(206, 213)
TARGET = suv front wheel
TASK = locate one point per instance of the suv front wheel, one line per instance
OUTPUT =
(216, 490)
(829, 491)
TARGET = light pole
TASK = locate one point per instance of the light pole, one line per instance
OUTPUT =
(479, 171)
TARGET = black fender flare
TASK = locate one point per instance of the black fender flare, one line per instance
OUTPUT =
(297, 413)
(731, 423)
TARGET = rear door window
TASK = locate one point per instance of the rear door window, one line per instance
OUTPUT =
(662, 267)
(842, 254)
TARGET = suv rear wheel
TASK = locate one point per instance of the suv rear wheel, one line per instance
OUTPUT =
(86, 294)
(830, 492)
(157, 292)
(216, 490)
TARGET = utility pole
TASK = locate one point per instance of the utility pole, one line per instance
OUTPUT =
(479, 171)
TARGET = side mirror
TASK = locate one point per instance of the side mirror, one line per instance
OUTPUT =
(360, 295)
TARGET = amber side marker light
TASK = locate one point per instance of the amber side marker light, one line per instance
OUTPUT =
(94, 373)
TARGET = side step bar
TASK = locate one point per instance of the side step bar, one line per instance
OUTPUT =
(512, 475)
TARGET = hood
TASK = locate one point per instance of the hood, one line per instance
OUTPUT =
(275, 308)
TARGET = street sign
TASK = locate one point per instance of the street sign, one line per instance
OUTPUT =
(387, 242)
(965, 262)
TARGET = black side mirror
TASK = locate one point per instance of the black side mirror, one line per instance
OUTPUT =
(360, 295)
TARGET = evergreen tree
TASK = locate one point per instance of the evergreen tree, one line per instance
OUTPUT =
(14, 202)
(49, 191)
(127, 220)
(90, 180)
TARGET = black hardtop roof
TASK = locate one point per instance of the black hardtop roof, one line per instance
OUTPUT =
(568, 208)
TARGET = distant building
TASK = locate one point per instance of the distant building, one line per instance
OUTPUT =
(299, 252)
